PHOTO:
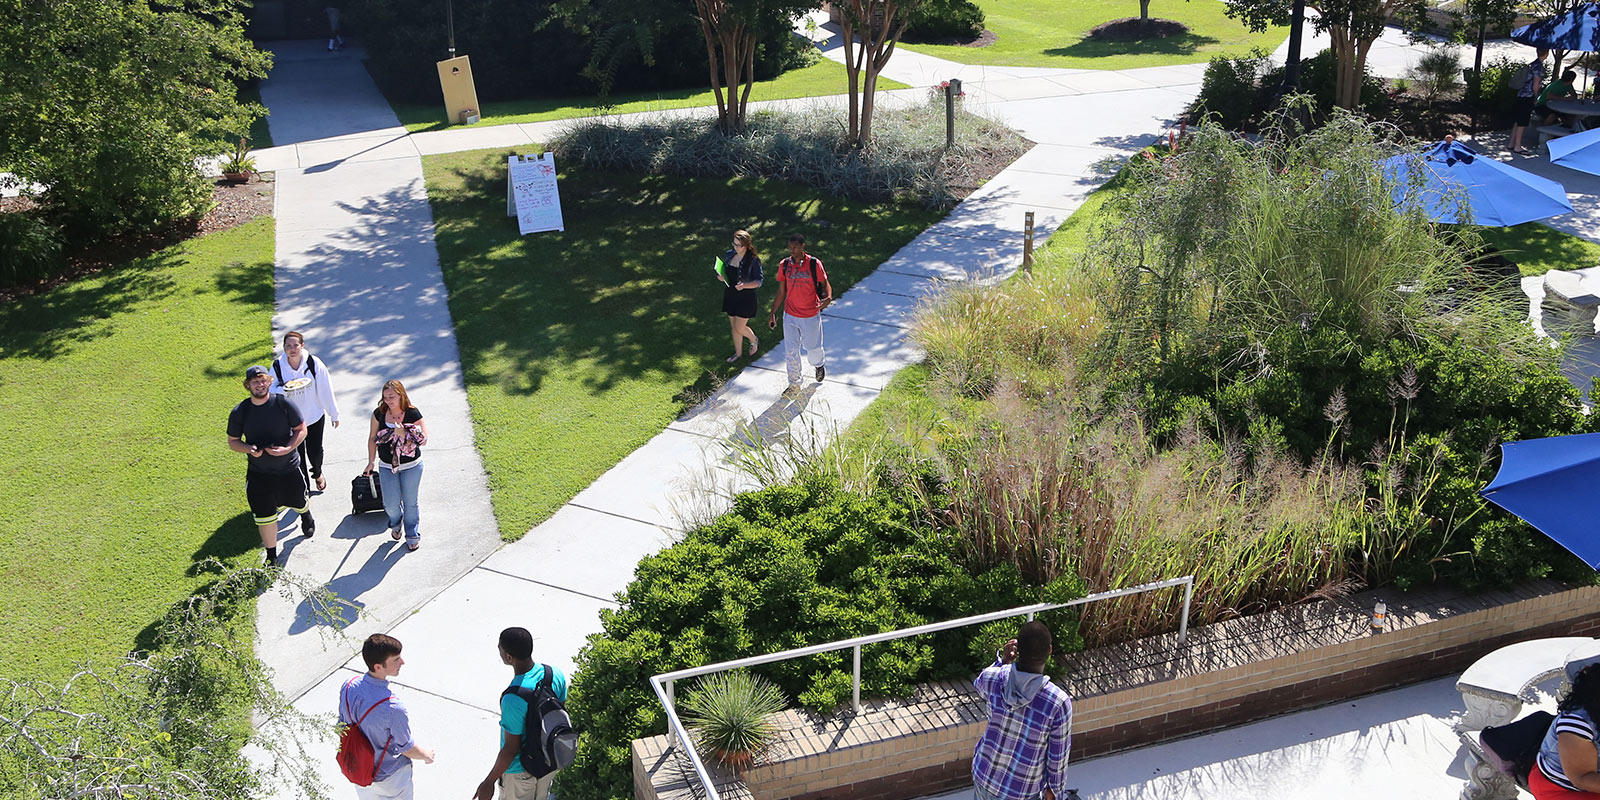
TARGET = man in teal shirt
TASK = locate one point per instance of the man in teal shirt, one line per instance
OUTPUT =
(516, 651)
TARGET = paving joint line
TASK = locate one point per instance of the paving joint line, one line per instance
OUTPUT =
(549, 585)
(620, 516)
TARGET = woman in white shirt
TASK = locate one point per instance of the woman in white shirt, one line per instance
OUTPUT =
(303, 380)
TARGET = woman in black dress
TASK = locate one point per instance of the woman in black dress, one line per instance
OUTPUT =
(741, 276)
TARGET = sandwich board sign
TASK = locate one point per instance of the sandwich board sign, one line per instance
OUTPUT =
(531, 193)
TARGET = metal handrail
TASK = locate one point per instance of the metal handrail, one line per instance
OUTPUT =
(663, 683)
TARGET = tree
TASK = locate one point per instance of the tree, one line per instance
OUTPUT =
(730, 28)
(109, 103)
(871, 29)
(1352, 25)
(1480, 16)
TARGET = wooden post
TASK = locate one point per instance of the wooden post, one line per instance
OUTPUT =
(1027, 242)
(950, 114)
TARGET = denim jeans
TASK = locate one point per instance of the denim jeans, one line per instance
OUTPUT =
(400, 498)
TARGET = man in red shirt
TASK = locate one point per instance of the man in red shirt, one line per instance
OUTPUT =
(803, 291)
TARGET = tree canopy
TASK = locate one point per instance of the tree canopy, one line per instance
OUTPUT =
(109, 103)
(1351, 25)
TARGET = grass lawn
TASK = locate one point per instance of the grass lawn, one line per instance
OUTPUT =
(822, 78)
(578, 346)
(1050, 33)
(1537, 249)
(260, 134)
(117, 474)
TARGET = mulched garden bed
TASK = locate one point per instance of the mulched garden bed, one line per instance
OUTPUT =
(984, 39)
(232, 205)
(1136, 29)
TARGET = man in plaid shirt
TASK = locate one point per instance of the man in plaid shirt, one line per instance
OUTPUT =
(1023, 752)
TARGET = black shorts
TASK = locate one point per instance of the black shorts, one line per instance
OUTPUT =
(269, 493)
(1521, 110)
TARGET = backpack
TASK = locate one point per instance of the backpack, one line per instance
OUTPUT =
(311, 363)
(1519, 79)
(355, 750)
(548, 741)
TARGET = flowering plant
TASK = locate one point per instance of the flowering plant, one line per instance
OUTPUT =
(936, 92)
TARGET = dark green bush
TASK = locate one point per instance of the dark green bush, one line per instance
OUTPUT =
(1318, 76)
(405, 37)
(789, 566)
(1228, 90)
(1427, 393)
(1493, 90)
(938, 19)
(30, 249)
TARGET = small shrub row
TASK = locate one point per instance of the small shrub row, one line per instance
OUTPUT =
(939, 19)
(1238, 91)
(906, 161)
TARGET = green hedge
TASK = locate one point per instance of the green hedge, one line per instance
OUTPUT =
(789, 566)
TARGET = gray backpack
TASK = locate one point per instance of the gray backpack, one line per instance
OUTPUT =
(548, 741)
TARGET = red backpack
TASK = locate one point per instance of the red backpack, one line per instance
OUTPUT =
(355, 750)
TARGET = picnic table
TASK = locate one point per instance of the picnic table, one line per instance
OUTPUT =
(1577, 109)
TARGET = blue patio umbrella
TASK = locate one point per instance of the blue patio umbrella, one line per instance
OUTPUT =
(1577, 151)
(1496, 194)
(1549, 483)
(1577, 29)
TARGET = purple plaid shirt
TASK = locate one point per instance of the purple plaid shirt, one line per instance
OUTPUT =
(1023, 750)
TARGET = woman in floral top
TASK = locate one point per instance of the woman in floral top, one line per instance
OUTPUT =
(395, 438)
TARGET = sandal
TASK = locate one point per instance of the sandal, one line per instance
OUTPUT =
(754, 343)
(394, 533)
(412, 548)
(322, 483)
(732, 358)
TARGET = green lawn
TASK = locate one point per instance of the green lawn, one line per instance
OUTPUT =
(1050, 33)
(116, 469)
(260, 134)
(822, 78)
(578, 347)
(1537, 249)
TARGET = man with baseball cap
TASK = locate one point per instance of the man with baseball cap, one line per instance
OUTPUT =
(267, 429)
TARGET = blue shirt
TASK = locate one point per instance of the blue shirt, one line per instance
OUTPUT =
(514, 710)
(388, 727)
(1574, 722)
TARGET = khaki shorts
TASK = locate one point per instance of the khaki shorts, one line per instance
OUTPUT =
(522, 786)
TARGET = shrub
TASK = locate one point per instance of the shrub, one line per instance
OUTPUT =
(906, 161)
(1228, 90)
(30, 249)
(789, 566)
(1437, 72)
(1493, 90)
(1318, 75)
(938, 19)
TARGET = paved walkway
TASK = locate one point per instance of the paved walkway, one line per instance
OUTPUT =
(358, 271)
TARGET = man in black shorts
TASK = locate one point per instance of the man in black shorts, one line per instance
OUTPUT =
(267, 428)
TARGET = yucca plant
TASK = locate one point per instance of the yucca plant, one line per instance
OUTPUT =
(730, 715)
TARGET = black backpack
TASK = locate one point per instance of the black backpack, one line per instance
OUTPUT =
(548, 741)
(311, 368)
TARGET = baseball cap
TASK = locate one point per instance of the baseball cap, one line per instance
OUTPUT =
(253, 371)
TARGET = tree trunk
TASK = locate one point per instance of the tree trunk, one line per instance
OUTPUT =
(707, 11)
(1144, 10)
(852, 71)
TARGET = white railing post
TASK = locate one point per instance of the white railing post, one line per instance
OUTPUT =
(1188, 595)
(672, 706)
(855, 687)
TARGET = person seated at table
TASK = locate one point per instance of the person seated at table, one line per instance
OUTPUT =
(1560, 88)
(1568, 766)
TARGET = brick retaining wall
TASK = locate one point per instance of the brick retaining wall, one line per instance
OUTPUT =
(1145, 692)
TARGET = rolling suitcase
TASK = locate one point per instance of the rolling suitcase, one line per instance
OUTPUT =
(366, 494)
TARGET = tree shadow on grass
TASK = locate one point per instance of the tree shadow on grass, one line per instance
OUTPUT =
(627, 289)
(1540, 246)
(1186, 44)
(57, 321)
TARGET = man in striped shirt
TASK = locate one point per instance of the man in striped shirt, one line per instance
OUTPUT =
(1023, 752)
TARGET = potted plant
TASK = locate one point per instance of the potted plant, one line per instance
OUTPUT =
(730, 715)
(238, 165)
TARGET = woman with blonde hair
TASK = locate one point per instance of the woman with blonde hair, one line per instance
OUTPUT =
(741, 277)
(396, 436)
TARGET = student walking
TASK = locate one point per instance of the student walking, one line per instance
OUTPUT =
(268, 429)
(516, 651)
(396, 436)
(803, 292)
(368, 701)
(1023, 752)
(741, 278)
(303, 380)
(1531, 80)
